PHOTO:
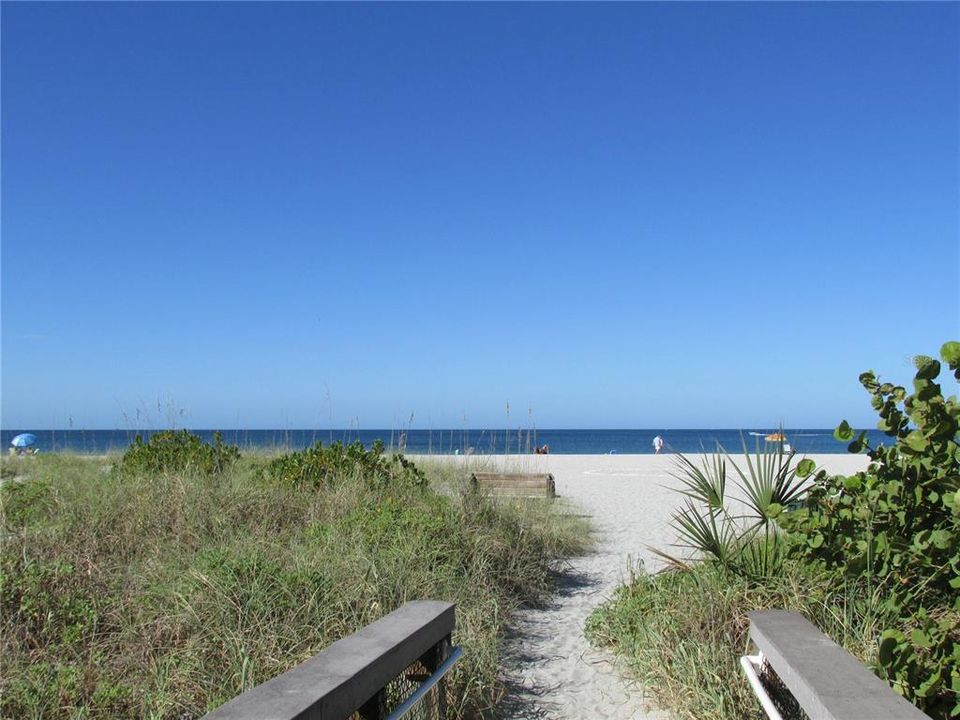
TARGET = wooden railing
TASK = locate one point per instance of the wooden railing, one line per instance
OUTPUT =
(380, 672)
(814, 674)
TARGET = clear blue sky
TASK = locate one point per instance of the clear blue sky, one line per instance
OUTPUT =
(618, 215)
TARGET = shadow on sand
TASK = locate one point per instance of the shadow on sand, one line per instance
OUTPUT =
(523, 698)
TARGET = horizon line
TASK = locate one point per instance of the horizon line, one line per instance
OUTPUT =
(409, 429)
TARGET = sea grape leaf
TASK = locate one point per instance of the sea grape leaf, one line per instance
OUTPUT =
(950, 353)
(927, 367)
(843, 433)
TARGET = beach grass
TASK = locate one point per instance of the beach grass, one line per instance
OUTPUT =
(164, 595)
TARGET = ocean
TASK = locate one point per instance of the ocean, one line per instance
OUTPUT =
(461, 441)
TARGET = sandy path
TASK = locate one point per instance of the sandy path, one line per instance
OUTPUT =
(550, 669)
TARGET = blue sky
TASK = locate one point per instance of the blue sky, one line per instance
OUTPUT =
(616, 215)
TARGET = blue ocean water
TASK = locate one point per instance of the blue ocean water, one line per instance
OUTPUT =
(450, 441)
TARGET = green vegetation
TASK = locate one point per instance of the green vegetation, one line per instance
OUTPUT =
(741, 534)
(873, 559)
(164, 591)
(895, 530)
(682, 632)
(319, 465)
(177, 451)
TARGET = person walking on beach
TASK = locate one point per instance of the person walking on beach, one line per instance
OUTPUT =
(657, 444)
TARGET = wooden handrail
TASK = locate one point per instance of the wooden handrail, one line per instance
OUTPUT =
(827, 681)
(348, 675)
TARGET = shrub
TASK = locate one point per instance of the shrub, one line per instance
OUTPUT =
(177, 451)
(896, 527)
(319, 465)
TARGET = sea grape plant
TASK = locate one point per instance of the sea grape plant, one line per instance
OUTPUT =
(177, 451)
(319, 465)
(895, 528)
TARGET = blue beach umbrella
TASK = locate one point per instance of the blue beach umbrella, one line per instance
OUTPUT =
(24, 440)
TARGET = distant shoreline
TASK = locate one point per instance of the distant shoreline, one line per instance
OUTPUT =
(466, 441)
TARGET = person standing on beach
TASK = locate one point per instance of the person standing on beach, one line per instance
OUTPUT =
(657, 444)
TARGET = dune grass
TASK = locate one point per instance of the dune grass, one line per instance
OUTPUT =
(682, 631)
(163, 596)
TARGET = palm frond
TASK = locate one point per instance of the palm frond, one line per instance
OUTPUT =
(750, 544)
(706, 483)
(708, 533)
(761, 557)
(770, 483)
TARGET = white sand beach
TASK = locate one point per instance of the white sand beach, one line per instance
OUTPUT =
(551, 670)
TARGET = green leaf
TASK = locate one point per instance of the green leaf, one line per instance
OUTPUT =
(950, 353)
(852, 483)
(843, 433)
(952, 501)
(920, 638)
(927, 367)
(916, 441)
(941, 538)
(888, 645)
(805, 467)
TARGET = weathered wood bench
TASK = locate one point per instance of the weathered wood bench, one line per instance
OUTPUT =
(520, 484)
(391, 666)
(826, 681)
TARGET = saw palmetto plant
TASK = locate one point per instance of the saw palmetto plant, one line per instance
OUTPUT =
(739, 530)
